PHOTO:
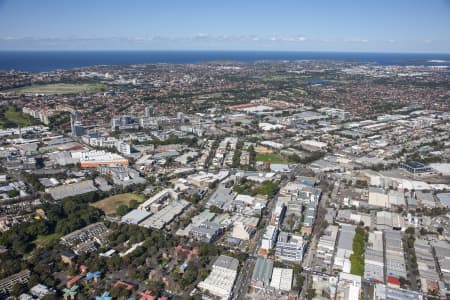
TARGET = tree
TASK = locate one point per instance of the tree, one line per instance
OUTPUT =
(189, 276)
(311, 294)
(119, 292)
(410, 230)
(122, 210)
(268, 188)
(114, 263)
(357, 258)
(17, 289)
(202, 274)
(13, 193)
(206, 249)
(215, 209)
(157, 287)
(50, 296)
(299, 278)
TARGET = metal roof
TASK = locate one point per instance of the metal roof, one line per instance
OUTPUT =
(263, 269)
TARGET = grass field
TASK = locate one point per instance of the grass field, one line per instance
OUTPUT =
(60, 88)
(110, 204)
(42, 240)
(14, 118)
(270, 157)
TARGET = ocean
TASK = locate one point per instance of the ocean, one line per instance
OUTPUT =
(42, 61)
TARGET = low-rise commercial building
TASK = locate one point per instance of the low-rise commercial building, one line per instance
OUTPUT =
(312, 145)
(426, 266)
(262, 273)
(378, 197)
(387, 220)
(344, 248)
(242, 231)
(383, 292)
(282, 279)
(220, 281)
(135, 216)
(395, 257)
(93, 159)
(159, 198)
(70, 190)
(373, 258)
(166, 215)
(442, 252)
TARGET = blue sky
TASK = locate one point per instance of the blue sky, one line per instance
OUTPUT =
(297, 25)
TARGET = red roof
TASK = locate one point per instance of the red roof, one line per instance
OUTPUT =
(393, 280)
(75, 147)
(180, 248)
(147, 295)
(195, 251)
(263, 252)
(127, 286)
(187, 251)
(74, 280)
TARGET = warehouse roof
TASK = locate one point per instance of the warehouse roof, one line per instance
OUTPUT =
(135, 216)
(444, 198)
(346, 237)
(282, 279)
(227, 262)
(74, 189)
(263, 269)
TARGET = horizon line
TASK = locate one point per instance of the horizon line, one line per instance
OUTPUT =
(224, 50)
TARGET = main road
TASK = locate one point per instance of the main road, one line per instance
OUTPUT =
(307, 262)
(243, 281)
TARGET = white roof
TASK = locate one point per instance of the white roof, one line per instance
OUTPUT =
(314, 143)
(282, 279)
(270, 231)
(245, 198)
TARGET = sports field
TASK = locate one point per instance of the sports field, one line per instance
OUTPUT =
(271, 158)
(110, 204)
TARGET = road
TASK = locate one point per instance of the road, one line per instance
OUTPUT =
(243, 282)
(307, 262)
(244, 278)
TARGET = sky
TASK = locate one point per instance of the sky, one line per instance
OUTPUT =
(278, 25)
